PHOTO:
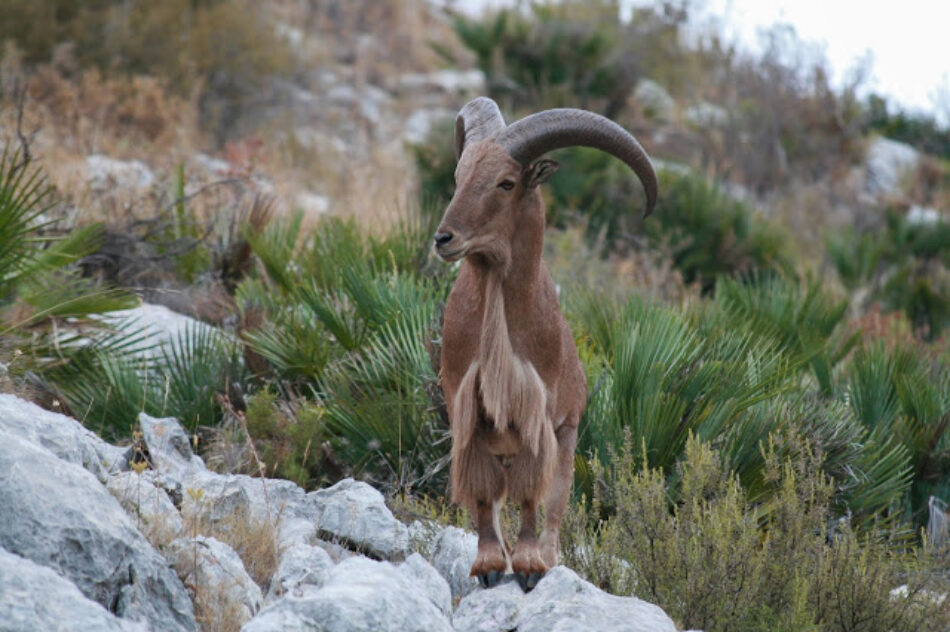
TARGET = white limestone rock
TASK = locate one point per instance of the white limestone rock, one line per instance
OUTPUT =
(453, 552)
(886, 163)
(63, 436)
(360, 595)
(159, 325)
(356, 514)
(420, 573)
(213, 567)
(169, 447)
(33, 597)
(655, 100)
(148, 504)
(219, 497)
(561, 602)
(105, 174)
(300, 565)
(58, 515)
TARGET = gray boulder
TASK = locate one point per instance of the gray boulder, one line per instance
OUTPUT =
(213, 569)
(159, 325)
(58, 515)
(360, 595)
(356, 514)
(453, 552)
(420, 123)
(300, 565)
(453, 82)
(148, 504)
(220, 497)
(169, 447)
(420, 573)
(560, 602)
(63, 436)
(886, 163)
(706, 115)
(32, 597)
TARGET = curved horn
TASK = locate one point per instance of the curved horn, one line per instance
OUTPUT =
(540, 133)
(477, 120)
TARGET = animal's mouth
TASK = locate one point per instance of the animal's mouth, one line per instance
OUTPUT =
(451, 255)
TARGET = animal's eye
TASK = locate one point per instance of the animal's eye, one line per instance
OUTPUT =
(507, 185)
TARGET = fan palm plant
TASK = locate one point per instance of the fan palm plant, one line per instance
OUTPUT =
(663, 382)
(36, 281)
(350, 318)
(898, 393)
(802, 319)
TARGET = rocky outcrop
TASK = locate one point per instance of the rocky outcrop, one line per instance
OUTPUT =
(109, 174)
(79, 551)
(453, 553)
(301, 566)
(560, 601)
(886, 164)
(655, 100)
(60, 516)
(33, 597)
(160, 327)
(61, 435)
(356, 514)
(359, 595)
(210, 566)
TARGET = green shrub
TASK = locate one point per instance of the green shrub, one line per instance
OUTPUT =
(290, 439)
(732, 372)
(710, 233)
(803, 319)
(716, 561)
(111, 377)
(352, 321)
(906, 266)
(920, 130)
(558, 55)
(662, 381)
(900, 394)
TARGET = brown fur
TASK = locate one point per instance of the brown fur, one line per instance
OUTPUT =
(510, 370)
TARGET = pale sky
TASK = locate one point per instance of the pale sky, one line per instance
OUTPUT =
(907, 42)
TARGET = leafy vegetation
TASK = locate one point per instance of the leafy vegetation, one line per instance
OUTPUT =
(714, 560)
(903, 264)
(760, 446)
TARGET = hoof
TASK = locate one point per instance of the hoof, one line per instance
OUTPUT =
(528, 581)
(490, 579)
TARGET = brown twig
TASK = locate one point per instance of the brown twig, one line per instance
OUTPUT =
(19, 100)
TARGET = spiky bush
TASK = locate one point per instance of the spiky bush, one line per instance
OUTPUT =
(115, 375)
(766, 358)
(352, 321)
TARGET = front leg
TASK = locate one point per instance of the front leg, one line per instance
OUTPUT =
(526, 562)
(492, 561)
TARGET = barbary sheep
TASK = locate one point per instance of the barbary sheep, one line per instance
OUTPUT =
(512, 378)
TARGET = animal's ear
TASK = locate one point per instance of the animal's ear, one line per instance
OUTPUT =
(538, 172)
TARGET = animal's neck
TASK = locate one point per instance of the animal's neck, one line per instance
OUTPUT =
(511, 389)
(518, 271)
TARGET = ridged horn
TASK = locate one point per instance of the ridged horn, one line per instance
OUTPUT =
(545, 131)
(477, 120)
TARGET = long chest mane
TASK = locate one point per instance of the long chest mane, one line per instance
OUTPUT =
(508, 387)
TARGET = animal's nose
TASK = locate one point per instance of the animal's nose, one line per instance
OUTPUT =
(443, 238)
